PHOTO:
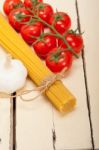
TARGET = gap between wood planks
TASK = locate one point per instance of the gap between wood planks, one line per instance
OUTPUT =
(85, 78)
(54, 137)
(12, 142)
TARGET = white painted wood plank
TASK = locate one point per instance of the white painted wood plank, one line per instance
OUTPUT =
(34, 123)
(4, 118)
(73, 130)
(4, 124)
(89, 14)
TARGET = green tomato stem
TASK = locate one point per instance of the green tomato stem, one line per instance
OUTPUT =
(56, 33)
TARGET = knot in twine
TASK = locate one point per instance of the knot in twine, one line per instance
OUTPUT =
(45, 85)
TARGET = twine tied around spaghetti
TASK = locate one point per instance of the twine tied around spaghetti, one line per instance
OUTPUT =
(45, 85)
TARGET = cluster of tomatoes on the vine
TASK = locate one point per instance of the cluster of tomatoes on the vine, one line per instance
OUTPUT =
(48, 32)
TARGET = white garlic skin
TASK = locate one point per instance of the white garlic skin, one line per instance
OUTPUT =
(12, 77)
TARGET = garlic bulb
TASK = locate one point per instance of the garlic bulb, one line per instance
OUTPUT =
(12, 75)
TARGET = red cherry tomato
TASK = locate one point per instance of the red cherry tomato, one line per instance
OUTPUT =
(43, 47)
(58, 59)
(28, 32)
(9, 5)
(17, 18)
(61, 21)
(45, 11)
(30, 3)
(74, 40)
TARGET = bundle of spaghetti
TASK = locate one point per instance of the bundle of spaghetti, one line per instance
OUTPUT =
(12, 42)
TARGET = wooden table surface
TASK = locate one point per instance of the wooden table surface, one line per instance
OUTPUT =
(38, 125)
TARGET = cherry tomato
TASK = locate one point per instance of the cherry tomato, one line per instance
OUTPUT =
(17, 18)
(9, 5)
(74, 40)
(58, 59)
(43, 47)
(30, 3)
(28, 32)
(44, 11)
(61, 21)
